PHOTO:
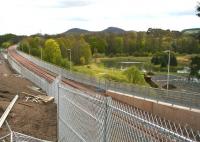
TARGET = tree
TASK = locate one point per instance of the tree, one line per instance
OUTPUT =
(36, 43)
(65, 44)
(6, 44)
(118, 45)
(24, 46)
(134, 75)
(81, 51)
(195, 67)
(52, 52)
(161, 58)
(97, 43)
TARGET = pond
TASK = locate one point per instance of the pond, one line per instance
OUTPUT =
(122, 62)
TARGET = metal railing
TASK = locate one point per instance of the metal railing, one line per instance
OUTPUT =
(187, 99)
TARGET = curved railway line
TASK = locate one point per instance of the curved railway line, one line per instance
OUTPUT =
(50, 77)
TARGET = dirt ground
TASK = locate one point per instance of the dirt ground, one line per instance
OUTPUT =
(31, 118)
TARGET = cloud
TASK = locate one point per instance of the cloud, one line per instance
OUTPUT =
(56, 16)
(183, 13)
(72, 3)
(78, 19)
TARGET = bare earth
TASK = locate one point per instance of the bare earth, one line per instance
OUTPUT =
(27, 117)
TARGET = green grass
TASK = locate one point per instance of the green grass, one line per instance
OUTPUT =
(129, 58)
(101, 72)
(109, 68)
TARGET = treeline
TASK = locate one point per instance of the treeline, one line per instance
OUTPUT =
(139, 43)
(83, 47)
(9, 39)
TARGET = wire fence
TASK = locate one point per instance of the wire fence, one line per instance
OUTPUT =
(188, 99)
(182, 83)
(85, 118)
(93, 118)
(19, 137)
(13, 136)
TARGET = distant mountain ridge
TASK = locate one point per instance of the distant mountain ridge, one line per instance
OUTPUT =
(117, 30)
(81, 31)
(114, 30)
(76, 31)
(191, 31)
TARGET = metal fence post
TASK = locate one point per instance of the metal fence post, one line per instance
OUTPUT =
(106, 117)
(11, 136)
(58, 114)
(58, 99)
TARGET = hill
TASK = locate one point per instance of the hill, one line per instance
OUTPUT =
(191, 31)
(76, 31)
(114, 30)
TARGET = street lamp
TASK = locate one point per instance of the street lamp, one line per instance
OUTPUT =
(29, 50)
(41, 53)
(168, 66)
(70, 58)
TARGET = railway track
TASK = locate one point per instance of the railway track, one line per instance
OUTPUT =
(50, 77)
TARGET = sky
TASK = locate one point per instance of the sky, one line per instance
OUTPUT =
(25, 17)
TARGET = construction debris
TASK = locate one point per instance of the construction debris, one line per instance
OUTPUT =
(36, 89)
(5, 74)
(5, 114)
(32, 99)
(25, 104)
(18, 75)
(38, 98)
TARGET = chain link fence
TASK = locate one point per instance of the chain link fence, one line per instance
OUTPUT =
(19, 137)
(182, 83)
(13, 136)
(85, 118)
(188, 99)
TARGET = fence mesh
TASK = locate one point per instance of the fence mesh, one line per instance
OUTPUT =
(13, 136)
(19, 137)
(80, 116)
(96, 118)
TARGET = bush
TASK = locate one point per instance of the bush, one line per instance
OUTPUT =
(114, 77)
(5, 44)
(134, 75)
(65, 63)
(82, 60)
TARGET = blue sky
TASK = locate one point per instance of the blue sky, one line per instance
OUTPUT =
(56, 16)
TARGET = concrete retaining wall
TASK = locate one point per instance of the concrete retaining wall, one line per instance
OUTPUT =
(177, 114)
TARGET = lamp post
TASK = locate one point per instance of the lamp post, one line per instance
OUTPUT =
(168, 66)
(70, 58)
(29, 50)
(41, 53)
